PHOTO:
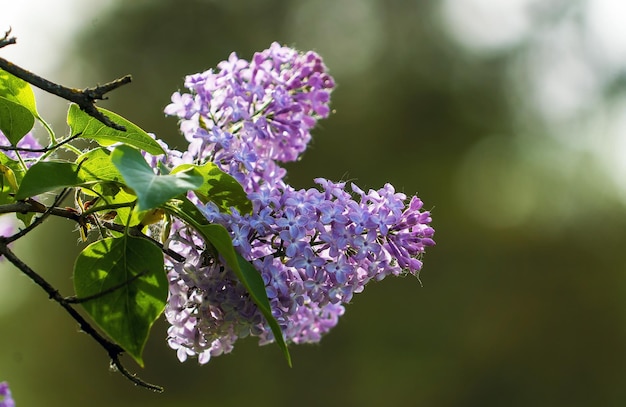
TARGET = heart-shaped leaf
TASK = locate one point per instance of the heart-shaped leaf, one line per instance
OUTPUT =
(18, 90)
(96, 165)
(152, 190)
(15, 120)
(46, 176)
(127, 284)
(104, 135)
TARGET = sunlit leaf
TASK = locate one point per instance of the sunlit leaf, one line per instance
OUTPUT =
(46, 176)
(104, 135)
(130, 273)
(19, 91)
(96, 164)
(15, 120)
(152, 190)
(219, 188)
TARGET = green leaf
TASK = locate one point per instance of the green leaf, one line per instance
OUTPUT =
(15, 120)
(217, 236)
(130, 273)
(219, 188)
(253, 281)
(152, 190)
(19, 91)
(96, 165)
(126, 216)
(46, 176)
(104, 135)
(96, 172)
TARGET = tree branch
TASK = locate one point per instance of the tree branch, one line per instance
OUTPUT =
(31, 205)
(6, 40)
(42, 149)
(40, 219)
(84, 98)
(113, 350)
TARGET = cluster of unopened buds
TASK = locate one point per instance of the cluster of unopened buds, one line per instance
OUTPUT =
(315, 248)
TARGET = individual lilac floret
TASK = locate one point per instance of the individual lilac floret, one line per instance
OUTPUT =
(314, 248)
(6, 400)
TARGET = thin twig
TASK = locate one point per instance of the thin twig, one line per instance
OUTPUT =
(113, 350)
(31, 205)
(110, 207)
(40, 219)
(115, 361)
(42, 149)
(6, 40)
(56, 296)
(84, 98)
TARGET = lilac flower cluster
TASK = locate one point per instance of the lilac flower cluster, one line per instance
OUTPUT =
(314, 248)
(249, 115)
(6, 400)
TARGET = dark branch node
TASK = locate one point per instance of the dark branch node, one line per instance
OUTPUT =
(6, 40)
(84, 98)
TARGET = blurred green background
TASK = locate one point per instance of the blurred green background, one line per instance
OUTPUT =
(507, 120)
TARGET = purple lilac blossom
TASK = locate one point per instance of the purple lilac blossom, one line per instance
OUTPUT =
(28, 141)
(6, 400)
(314, 248)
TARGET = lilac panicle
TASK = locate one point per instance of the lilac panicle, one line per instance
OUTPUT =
(314, 248)
(6, 400)
(247, 116)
